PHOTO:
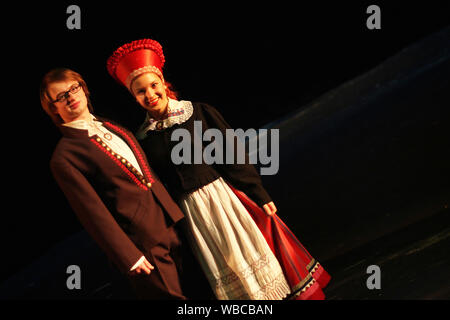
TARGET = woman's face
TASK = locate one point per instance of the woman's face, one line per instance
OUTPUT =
(71, 101)
(150, 92)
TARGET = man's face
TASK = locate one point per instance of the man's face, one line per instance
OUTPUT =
(71, 101)
(150, 92)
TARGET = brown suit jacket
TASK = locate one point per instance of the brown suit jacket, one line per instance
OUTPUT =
(122, 210)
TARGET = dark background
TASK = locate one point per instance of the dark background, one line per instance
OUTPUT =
(255, 63)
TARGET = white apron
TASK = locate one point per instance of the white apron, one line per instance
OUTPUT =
(232, 251)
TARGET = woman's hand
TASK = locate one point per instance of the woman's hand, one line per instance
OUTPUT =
(270, 208)
(144, 267)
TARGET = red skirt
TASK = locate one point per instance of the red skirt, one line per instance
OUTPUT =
(304, 274)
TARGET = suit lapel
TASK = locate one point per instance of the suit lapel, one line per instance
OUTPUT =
(121, 162)
(135, 148)
(147, 180)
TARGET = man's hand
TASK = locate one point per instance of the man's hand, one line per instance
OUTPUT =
(144, 267)
(270, 208)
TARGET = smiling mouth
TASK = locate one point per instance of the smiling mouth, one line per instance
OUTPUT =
(75, 105)
(153, 102)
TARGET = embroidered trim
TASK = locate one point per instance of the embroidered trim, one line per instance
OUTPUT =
(175, 113)
(226, 279)
(140, 71)
(122, 163)
(114, 60)
(308, 281)
(275, 288)
(179, 112)
(140, 158)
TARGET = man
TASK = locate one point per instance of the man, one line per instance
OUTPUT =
(106, 178)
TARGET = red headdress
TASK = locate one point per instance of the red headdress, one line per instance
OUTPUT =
(135, 58)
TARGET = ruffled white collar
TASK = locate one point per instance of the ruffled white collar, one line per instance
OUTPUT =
(178, 112)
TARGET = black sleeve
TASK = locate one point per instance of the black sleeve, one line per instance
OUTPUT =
(243, 177)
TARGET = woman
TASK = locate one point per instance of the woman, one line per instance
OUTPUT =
(237, 255)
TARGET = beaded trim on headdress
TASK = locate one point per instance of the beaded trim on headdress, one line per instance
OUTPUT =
(140, 71)
(114, 59)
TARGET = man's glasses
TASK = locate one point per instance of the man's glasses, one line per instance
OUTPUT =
(64, 95)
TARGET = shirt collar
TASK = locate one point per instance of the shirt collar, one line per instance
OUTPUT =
(177, 113)
(83, 124)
